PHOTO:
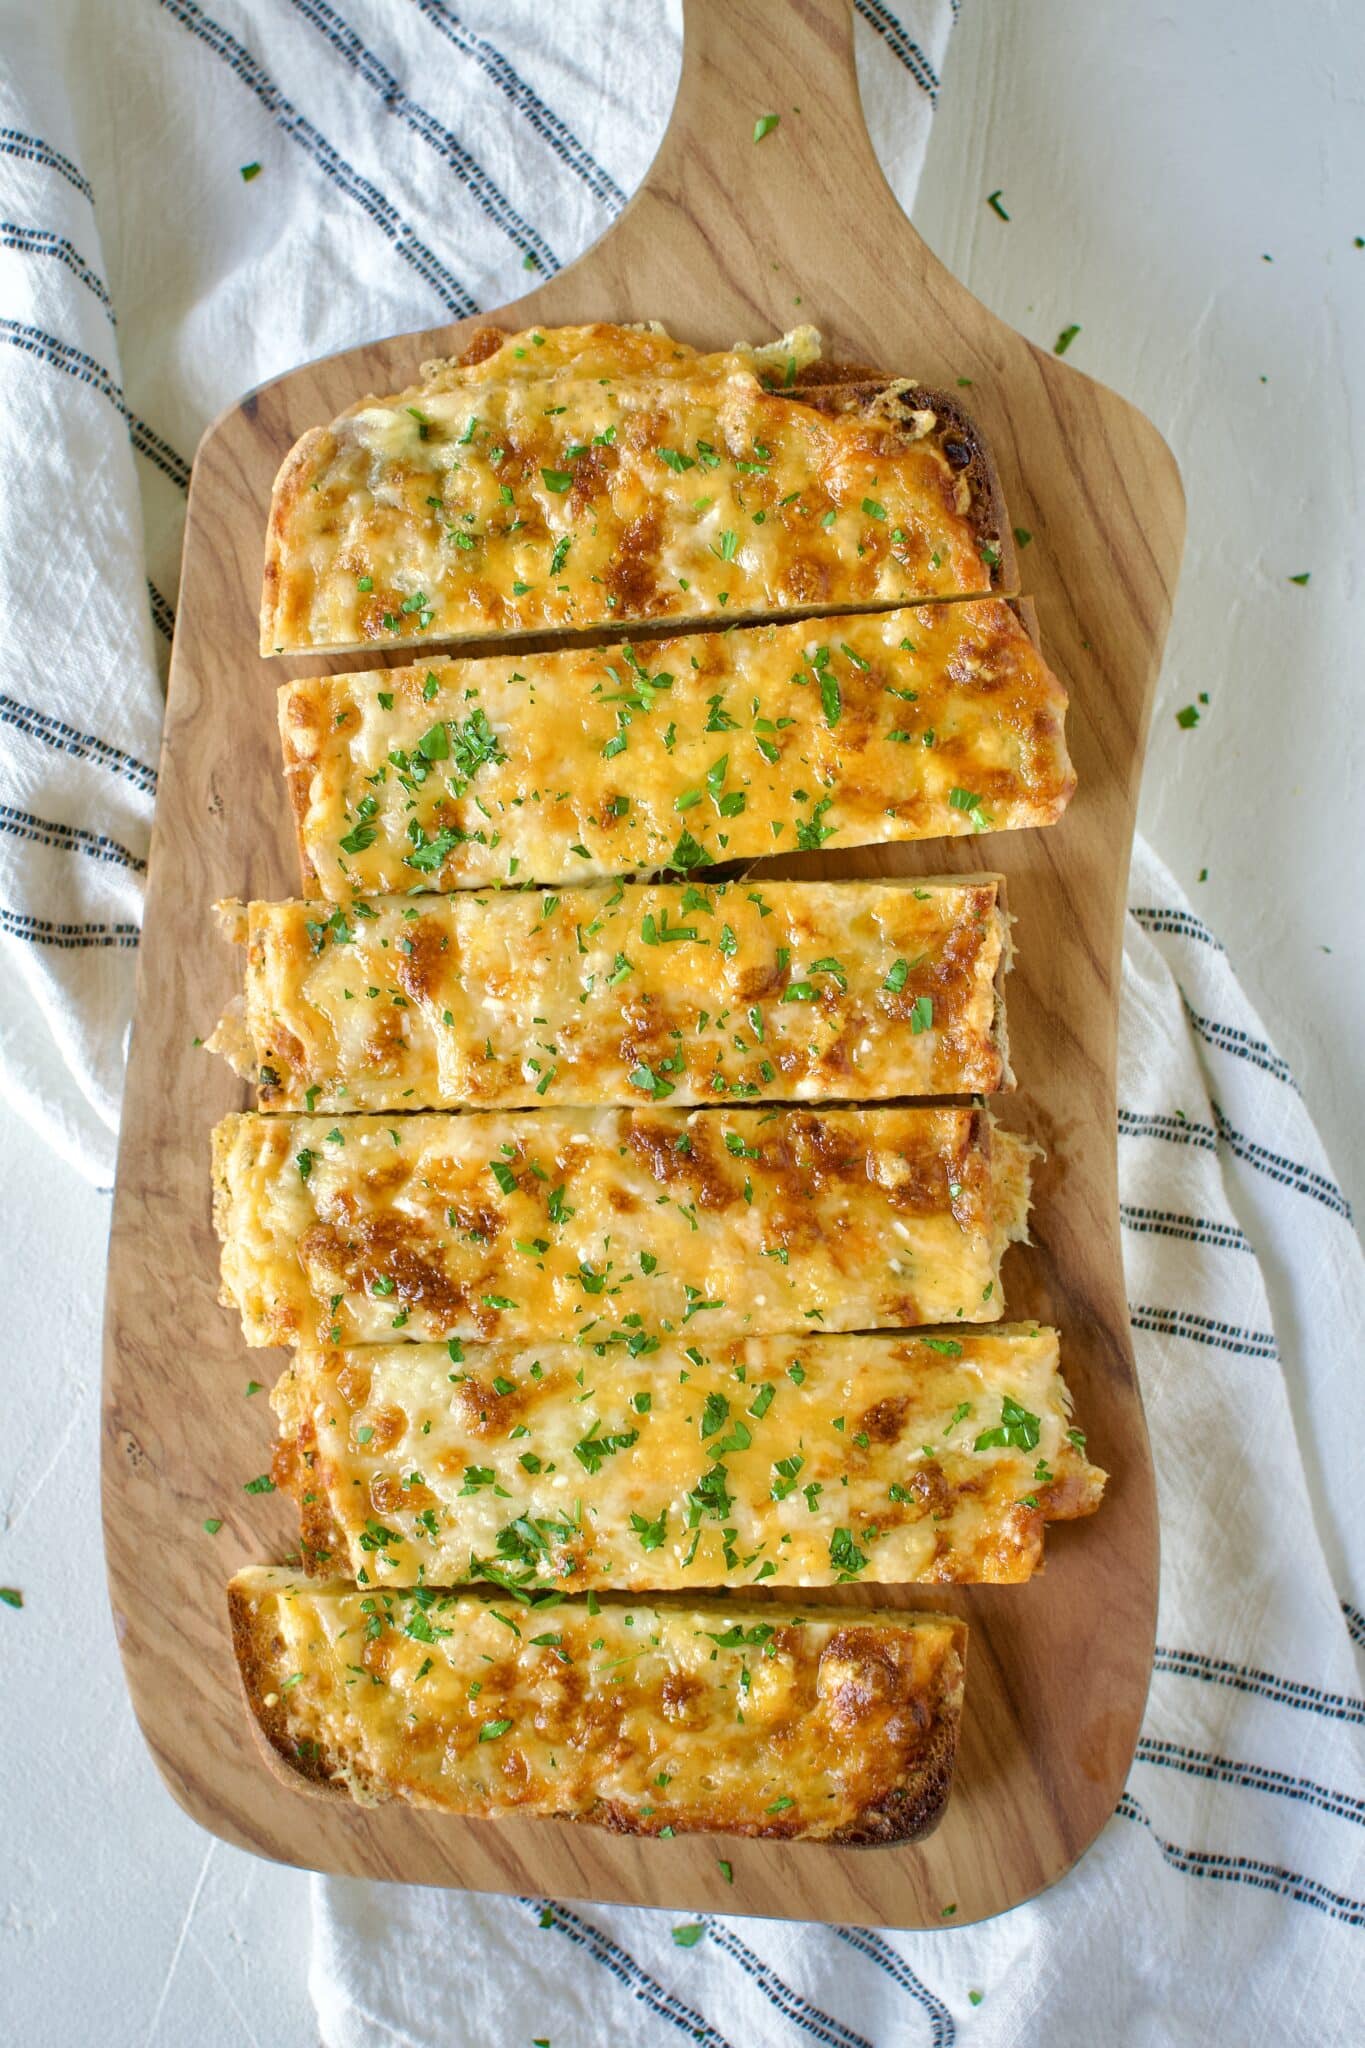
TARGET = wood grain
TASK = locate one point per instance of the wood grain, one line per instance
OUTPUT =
(720, 243)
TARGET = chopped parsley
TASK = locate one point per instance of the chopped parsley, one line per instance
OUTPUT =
(593, 1451)
(845, 1555)
(966, 800)
(688, 853)
(651, 1534)
(785, 1474)
(810, 832)
(1016, 1429)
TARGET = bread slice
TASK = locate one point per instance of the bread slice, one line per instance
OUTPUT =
(878, 1460)
(795, 991)
(874, 728)
(784, 1721)
(698, 489)
(614, 1227)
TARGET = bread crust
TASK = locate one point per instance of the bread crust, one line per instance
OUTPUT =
(307, 452)
(909, 1813)
(300, 760)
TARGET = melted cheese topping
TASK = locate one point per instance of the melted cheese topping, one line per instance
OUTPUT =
(881, 1459)
(607, 1226)
(597, 761)
(493, 356)
(796, 989)
(648, 1719)
(524, 503)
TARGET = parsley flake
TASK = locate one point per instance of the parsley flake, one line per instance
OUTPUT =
(1017, 1429)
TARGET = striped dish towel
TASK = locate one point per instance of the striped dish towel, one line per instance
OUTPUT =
(338, 171)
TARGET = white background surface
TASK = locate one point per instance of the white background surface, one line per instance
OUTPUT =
(1148, 159)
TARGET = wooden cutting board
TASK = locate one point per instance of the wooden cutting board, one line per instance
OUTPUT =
(726, 240)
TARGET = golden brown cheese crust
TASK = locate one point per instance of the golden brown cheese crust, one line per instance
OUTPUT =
(894, 726)
(599, 349)
(647, 1719)
(795, 990)
(519, 503)
(883, 1460)
(610, 1226)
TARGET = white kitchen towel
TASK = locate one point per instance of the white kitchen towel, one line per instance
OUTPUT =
(415, 162)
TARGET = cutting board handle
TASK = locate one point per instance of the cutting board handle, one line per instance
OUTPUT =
(742, 60)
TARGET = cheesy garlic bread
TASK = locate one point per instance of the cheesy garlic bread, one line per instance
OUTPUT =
(657, 1719)
(592, 495)
(613, 1227)
(916, 1460)
(913, 724)
(792, 990)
